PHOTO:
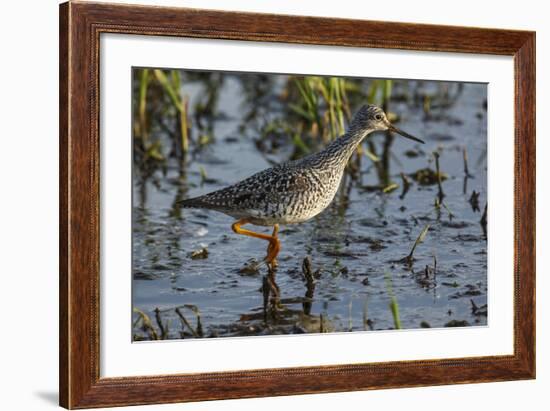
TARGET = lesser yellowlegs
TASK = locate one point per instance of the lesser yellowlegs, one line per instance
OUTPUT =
(295, 191)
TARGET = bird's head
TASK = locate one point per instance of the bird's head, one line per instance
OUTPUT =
(371, 118)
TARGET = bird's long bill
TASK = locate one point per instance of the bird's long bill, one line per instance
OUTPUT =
(406, 135)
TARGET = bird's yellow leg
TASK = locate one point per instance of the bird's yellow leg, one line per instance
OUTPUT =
(274, 244)
(274, 247)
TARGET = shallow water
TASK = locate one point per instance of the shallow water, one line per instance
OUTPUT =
(356, 248)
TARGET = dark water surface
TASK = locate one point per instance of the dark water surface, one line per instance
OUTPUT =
(356, 248)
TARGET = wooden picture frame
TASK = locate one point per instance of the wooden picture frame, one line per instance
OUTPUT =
(80, 27)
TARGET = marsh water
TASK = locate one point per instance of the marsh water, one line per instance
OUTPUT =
(191, 259)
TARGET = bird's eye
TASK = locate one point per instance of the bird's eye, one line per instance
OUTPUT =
(378, 117)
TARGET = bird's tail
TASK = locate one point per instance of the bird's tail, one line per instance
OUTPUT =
(197, 202)
(191, 203)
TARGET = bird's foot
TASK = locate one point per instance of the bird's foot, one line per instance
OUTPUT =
(272, 252)
(271, 264)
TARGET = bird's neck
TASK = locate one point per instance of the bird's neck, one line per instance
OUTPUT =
(341, 149)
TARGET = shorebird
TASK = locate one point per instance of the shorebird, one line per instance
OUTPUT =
(295, 191)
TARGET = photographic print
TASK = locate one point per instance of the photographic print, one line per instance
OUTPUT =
(287, 197)
(276, 204)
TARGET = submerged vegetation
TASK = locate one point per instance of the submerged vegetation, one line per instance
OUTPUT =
(401, 209)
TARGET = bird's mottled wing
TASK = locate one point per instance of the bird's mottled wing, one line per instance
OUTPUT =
(268, 187)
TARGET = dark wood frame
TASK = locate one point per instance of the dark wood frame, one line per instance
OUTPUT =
(80, 27)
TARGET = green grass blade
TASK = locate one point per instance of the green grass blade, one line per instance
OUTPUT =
(300, 111)
(374, 158)
(142, 105)
(394, 306)
(419, 239)
(298, 142)
(386, 92)
(166, 84)
(373, 91)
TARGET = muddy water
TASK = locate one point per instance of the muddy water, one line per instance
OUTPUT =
(355, 248)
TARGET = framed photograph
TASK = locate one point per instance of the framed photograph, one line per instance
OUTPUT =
(260, 205)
